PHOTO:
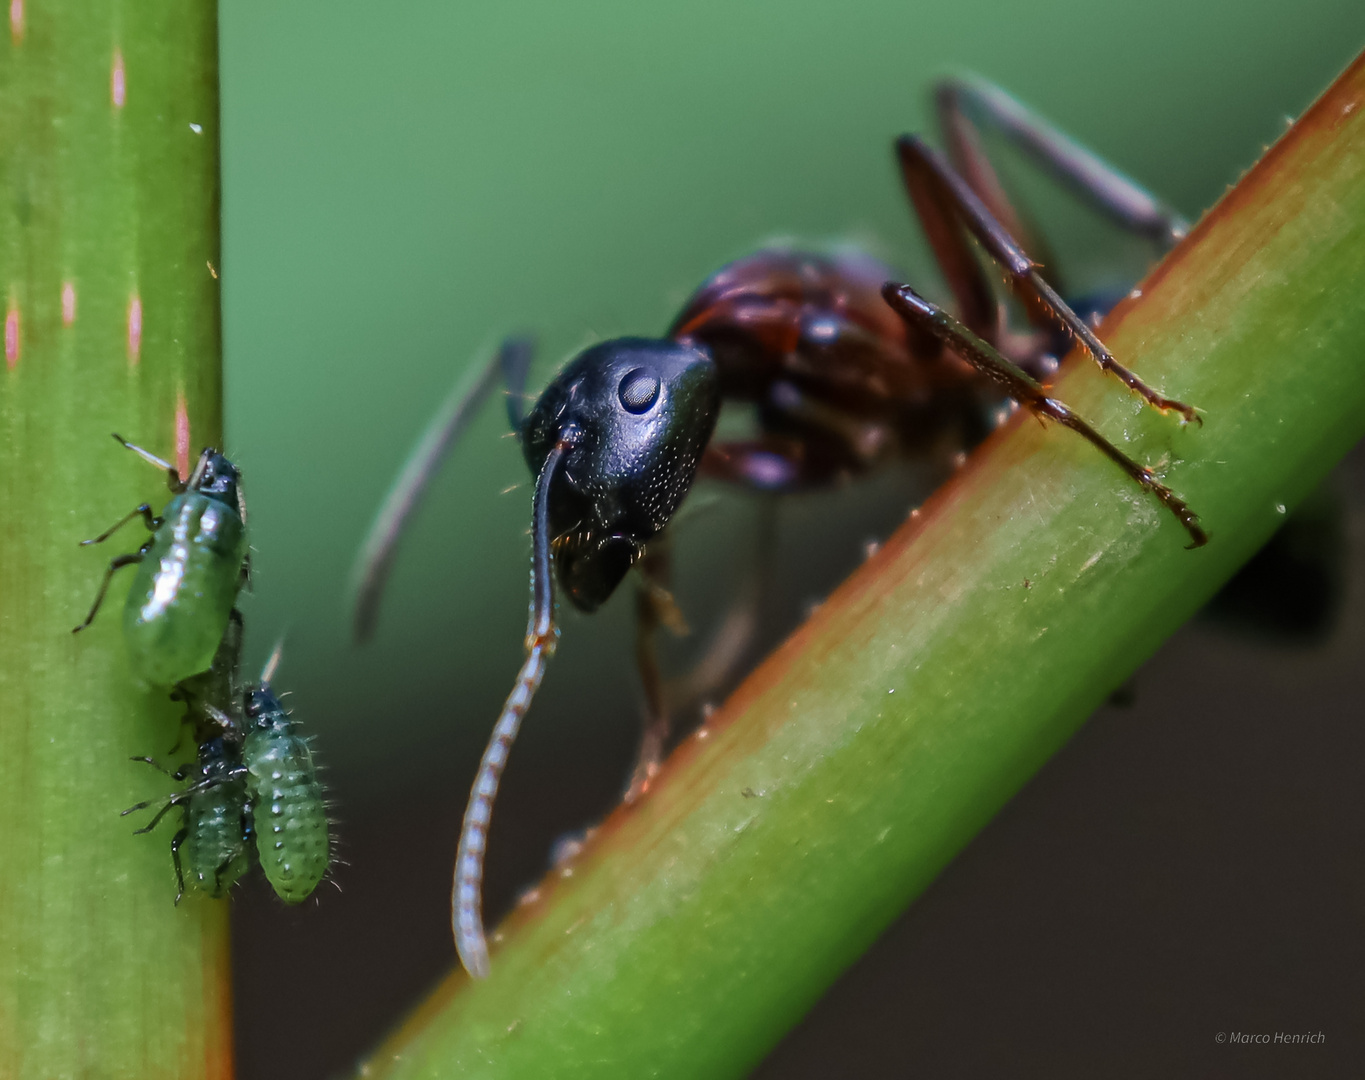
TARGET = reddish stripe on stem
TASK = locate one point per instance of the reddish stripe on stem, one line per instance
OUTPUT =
(12, 337)
(182, 435)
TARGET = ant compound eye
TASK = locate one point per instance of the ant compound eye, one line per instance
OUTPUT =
(639, 390)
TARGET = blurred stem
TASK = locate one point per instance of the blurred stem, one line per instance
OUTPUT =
(848, 770)
(109, 294)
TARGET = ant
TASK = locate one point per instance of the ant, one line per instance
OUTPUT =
(846, 369)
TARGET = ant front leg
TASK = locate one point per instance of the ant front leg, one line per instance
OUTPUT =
(947, 207)
(114, 566)
(376, 555)
(654, 606)
(925, 317)
(733, 640)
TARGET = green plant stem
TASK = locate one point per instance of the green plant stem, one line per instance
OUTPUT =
(110, 300)
(838, 781)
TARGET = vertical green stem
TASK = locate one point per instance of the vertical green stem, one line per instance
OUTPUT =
(110, 301)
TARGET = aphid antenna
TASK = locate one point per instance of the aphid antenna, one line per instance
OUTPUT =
(268, 672)
(145, 455)
(200, 467)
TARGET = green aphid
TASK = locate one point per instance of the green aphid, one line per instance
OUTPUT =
(216, 840)
(282, 786)
(215, 845)
(213, 848)
(189, 571)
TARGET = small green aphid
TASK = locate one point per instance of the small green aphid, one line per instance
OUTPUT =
(213, 848)
(282, 785)
(189, 571)
(215, 845)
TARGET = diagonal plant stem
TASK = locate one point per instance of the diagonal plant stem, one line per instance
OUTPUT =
(110, 302)
(843, 775)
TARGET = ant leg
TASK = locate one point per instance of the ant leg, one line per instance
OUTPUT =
(939, 191)
(466, 901)
(115, 565)
(1087, 175)
(176, 841)
(770, 465)
(375, 559)
(654, 606)
(149, 519)
(732, 641)
(917, 311)
(173, 480)
(515, 360)
(976, 303)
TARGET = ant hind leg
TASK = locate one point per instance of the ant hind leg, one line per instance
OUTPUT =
(918, 312)
(949, 210)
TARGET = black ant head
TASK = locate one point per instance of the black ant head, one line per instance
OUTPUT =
(215, 475)
(633, 417)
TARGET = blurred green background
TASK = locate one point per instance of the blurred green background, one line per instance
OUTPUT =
(406, 182)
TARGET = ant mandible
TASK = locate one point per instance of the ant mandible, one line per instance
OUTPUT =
(845, 367)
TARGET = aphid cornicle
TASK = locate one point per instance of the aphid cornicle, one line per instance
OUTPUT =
(282, 786)
(845, 369)
(215, 845)
(189, 571)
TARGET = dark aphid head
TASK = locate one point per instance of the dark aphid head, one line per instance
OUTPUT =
(263, 706)
(633, 416)
(216, 476)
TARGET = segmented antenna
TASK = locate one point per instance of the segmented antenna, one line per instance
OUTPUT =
(272, 663)
(146, 455)
(466, 901)
(375, 560)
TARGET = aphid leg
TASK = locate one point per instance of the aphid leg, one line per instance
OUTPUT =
(183, 795)
(176, 841)
(173, 480)
(937, 190)
(226, 724)
(178, 774)
(149, 519)
(1088, 176)
(115, 565)
(654, 607)
(541, 635)
(917, 311)
(218, 876)
(375, 559)
(174, 800)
